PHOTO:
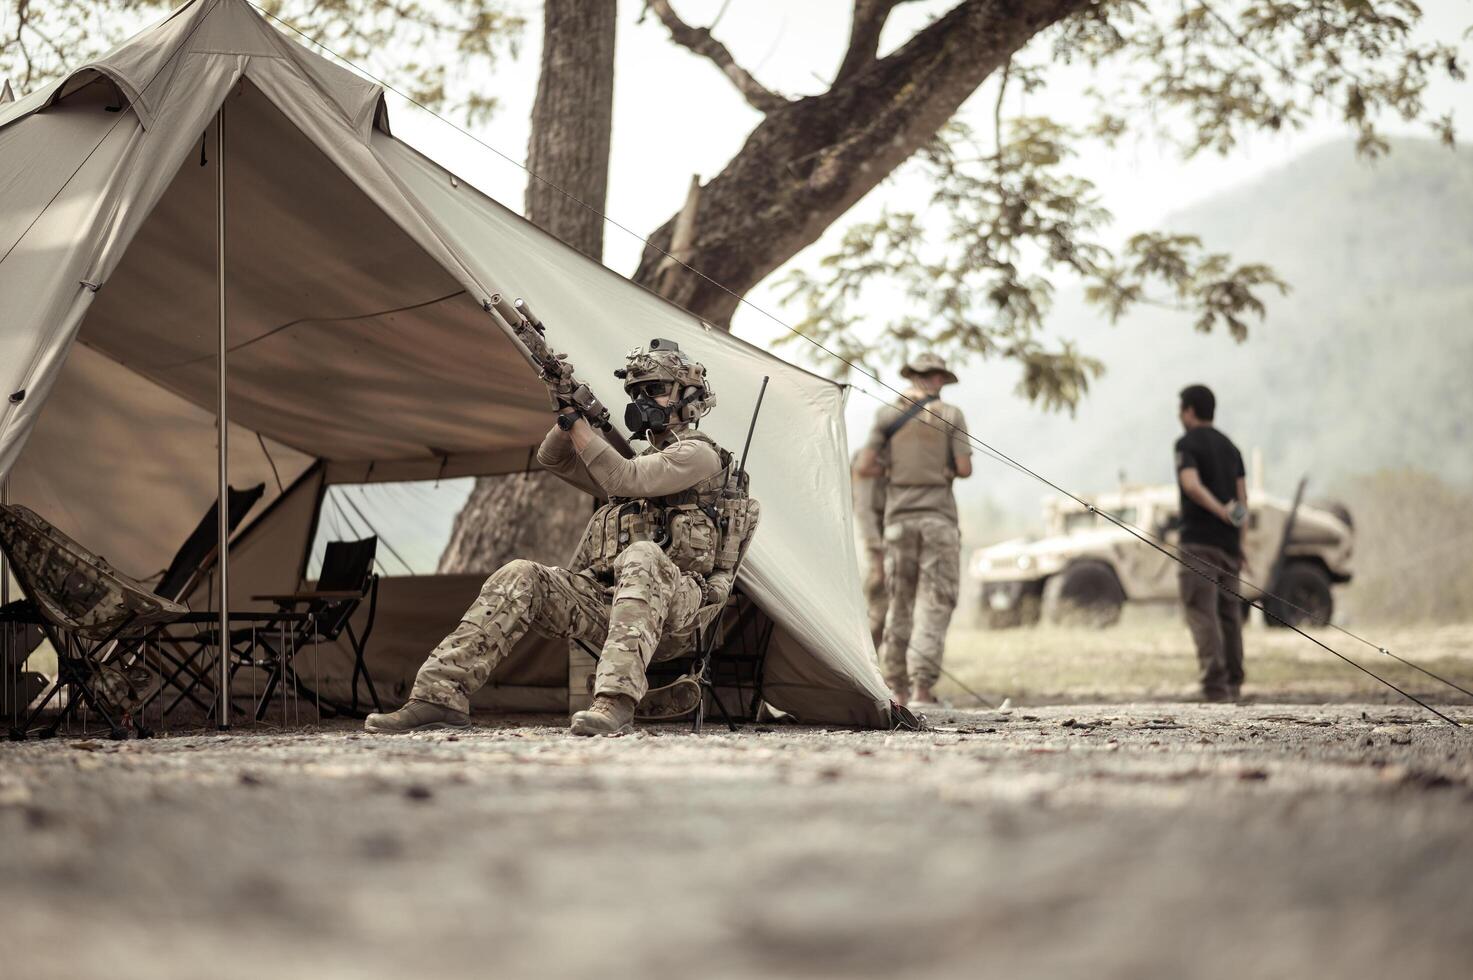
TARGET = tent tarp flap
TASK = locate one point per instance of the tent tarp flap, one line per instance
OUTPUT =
(356, 273)
(346, 340)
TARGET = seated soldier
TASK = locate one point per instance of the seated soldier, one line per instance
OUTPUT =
(657, 562)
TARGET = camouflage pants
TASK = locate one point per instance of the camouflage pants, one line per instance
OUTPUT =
(876, 597)
(922, 568)
(650, 599)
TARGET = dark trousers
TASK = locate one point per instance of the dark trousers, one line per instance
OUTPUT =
(1215, 617)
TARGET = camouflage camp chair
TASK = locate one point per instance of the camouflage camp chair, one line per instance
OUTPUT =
(84, 606)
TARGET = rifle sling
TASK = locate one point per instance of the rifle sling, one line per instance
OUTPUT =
(915, 408)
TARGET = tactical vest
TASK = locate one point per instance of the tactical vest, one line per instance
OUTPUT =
(700, 528)
(920, 453)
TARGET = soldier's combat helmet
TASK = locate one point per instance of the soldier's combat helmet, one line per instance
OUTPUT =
(663, 360)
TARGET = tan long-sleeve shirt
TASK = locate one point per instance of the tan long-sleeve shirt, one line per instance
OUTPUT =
(601, 471)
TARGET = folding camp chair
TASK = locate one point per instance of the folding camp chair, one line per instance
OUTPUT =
(85, 607)
(270, 641)
(191, 562)
(346, 580)
(175, 582)
(200, 550)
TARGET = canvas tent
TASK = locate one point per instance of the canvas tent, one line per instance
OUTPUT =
(358, 350)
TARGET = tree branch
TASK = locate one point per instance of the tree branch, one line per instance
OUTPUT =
(700, 41)
(1002, 91)
(22, 9)
(870, 17)
(801, 168)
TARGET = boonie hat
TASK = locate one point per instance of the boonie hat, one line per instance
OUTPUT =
(925, 363)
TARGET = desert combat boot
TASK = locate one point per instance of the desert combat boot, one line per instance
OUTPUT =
(417, 716)
(610, 714)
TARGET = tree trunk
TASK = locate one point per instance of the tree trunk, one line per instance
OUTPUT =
(572, 120)
(535, 515)
(808, 162)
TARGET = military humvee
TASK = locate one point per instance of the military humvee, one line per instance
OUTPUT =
(1084, 568)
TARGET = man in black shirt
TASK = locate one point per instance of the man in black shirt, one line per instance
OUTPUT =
(1214, 506)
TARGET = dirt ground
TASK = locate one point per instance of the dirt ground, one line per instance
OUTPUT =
(1131, 840)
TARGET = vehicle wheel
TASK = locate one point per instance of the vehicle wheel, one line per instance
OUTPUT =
(1087, 593)
(1022, 613)
(1307, 586)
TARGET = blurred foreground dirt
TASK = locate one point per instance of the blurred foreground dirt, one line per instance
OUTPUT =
(1131, 841)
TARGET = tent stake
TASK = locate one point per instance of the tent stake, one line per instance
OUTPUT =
(222, 421)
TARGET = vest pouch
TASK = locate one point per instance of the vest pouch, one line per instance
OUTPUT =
(615, 527)
(693, 540)
(734, 515)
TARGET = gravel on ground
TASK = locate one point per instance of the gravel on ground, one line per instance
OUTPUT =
(1135, 840)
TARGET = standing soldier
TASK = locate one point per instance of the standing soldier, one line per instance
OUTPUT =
(919, 445)
(1214, 505)
(656, 562)
(869, 517)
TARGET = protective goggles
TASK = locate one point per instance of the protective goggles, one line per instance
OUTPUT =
(650, 389)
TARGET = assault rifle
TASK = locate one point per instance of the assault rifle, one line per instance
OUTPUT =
(556, 372)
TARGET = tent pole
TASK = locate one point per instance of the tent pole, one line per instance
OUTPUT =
(222, 422)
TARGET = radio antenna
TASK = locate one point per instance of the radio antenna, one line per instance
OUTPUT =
(742, 468)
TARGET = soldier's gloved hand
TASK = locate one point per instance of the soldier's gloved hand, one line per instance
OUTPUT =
(567, 415)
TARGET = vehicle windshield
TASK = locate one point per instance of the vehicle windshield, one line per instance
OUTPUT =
(1083, 520)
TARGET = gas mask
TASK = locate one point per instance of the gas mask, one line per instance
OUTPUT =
(644, 415)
